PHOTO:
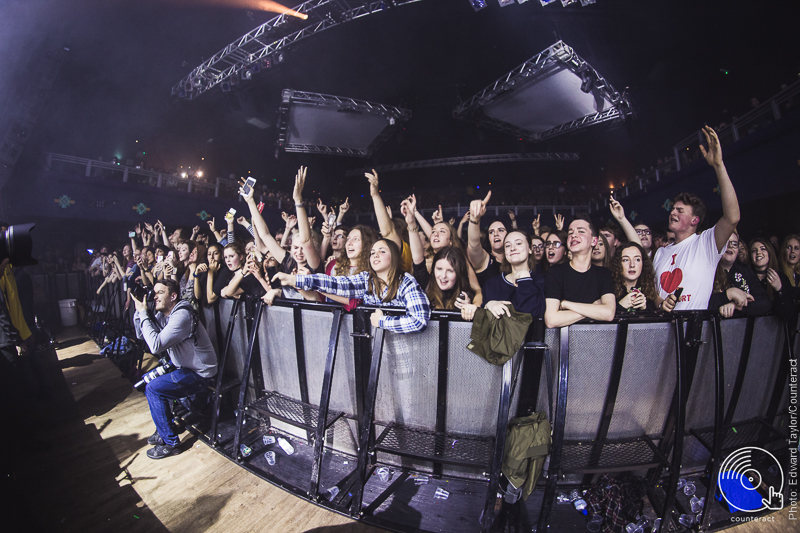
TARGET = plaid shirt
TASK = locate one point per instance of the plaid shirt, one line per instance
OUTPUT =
(409, 295)
(605, 498)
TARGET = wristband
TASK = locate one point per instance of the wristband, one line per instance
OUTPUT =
(473, 221)
(298, 205)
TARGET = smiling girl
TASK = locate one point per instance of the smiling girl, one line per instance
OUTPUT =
(384, 284)
(765, 265)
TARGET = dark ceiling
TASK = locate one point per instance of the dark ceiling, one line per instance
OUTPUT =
(114, 86)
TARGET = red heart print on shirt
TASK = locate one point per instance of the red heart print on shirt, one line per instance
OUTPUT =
(671, 280)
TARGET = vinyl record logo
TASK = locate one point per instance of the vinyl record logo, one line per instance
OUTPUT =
(739, 481)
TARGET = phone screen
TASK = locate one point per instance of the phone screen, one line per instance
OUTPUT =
(248, 185)
(131, 234)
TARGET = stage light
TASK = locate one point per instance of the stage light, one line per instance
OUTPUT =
(565, 3)
(183, 174)
(587, 81)
(266, 62)
(504, 3)
(477, 5)
(587, 2)
(547, 2)
(199, 173)
(225, 86)
(247, 74)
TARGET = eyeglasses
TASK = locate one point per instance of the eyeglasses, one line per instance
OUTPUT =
(553, 244)
(733, 244)
(537, 247)
(641, 232)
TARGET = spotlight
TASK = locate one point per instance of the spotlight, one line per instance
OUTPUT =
(504, 3)
(188, 86)
(280, 57)
(547, 2)
(477, 5)
(565, 3)
(199, 174)
(266, 63)
(587, 2)
(183, 174)
(247, 74)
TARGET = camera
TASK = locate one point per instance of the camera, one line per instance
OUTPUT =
(165, 367)
(16, 245)
(141, 293)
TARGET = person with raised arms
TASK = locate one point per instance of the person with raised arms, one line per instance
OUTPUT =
(691, 261)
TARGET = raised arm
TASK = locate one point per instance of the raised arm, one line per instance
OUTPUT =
(261, 230)
(730, 204)
(464, 220)
(409, 208)
(619, 213)
(304, 228)
(423, 224)
(475, 252)
(344, 208)
(384, 221)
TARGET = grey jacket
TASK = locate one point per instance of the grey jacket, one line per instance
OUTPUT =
(176, 339)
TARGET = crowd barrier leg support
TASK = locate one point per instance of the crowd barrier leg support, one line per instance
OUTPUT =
(741, 371)
(324, 403)
(252, 325)
(499, 446)
(243, 387)
(558, 431)
(719, 433)
(218, 392)
(366, 423)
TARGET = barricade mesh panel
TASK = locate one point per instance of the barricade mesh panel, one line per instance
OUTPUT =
(762, 369)
(700, 405)
(316, 334)
(408, 378)
(732, 339)
(278, 355)
(695, 455)
(473, 387)
(591, 350)
(211, 328)
(647, 382)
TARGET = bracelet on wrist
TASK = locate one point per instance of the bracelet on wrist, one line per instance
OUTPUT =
(474, 221)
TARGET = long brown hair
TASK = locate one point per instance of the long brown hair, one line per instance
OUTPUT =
(458, 260)
(607, 258)
(785, 267)
(773, 262)
(368, 238)
(646, 279)
(376, 285)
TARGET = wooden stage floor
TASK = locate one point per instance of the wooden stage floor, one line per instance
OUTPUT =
(96, 476)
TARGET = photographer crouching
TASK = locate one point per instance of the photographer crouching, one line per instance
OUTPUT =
(176, 331)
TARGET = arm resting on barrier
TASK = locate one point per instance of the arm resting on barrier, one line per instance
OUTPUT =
(349, 286)
(564, 313)
(417, 306)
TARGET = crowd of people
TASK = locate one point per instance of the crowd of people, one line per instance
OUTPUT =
(483, 267)
(562, 273)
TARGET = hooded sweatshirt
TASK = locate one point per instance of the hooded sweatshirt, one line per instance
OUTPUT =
(173, 334)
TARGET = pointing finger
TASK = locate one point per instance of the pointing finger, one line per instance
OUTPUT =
(486, 200)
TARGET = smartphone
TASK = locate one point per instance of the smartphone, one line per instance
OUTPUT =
(159, 258)
(678, 293)
(248, 185)
(332, 221)
(462, 296)
(230, 214)
(131, 234)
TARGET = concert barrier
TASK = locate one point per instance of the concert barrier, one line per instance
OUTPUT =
(406, 432)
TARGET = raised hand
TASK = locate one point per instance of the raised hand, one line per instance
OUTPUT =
(322, 208)
(452, 221)
(774, 279)
(242, 221)
(437, 215)
(299, 183)
(712, 155)
(291, 221)
(148, 227)
(373, 183)
(311, 221)
(512, 215)
(345, 206)
(616, 208)
(195, 231)
(326, 229)
(138, 229)
(477, 208)
(559, 222)
(536, 224)
(211, 224)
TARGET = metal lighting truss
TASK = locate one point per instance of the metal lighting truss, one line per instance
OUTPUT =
(470, 160)
(273, 36)
(394, 115)
(539, 67)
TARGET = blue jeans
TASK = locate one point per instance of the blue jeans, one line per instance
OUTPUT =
(162, 390)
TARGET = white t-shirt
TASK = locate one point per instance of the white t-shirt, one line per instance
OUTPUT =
(691, 264)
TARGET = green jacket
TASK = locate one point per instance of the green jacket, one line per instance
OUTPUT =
(497, 340)
(527, 448)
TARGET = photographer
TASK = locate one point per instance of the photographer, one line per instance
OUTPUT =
(176, 330)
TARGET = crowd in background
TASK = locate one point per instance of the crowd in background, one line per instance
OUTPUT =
(475, 264)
